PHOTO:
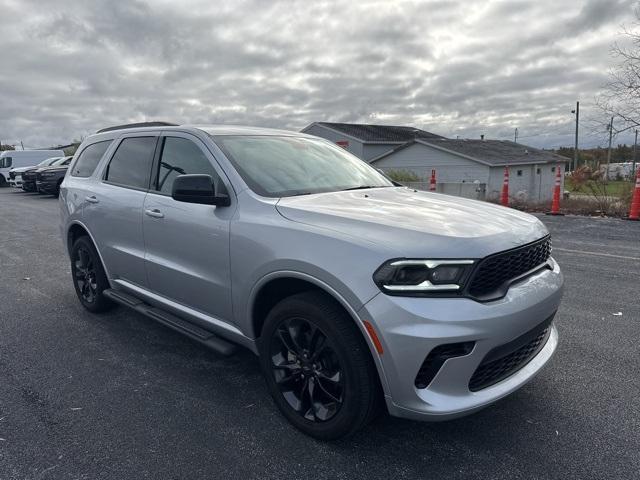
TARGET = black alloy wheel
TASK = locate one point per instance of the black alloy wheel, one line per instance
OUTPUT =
(85, 275)
(89, 278)
(318, 367)
(307, 369)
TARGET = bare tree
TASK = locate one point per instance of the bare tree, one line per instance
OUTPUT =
(621, 95)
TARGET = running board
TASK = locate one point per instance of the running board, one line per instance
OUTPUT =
(201, 335)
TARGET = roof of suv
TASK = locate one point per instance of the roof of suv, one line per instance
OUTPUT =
(209, 129)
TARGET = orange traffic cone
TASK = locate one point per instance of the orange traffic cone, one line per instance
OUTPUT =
(634, 213)
(555, 204)
(504, 199)
(432, 182)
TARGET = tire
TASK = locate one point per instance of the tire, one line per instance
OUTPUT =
(89, 278)
(56, 192)
(339, 375)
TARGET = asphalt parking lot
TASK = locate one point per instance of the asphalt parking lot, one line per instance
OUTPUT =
(118, 396)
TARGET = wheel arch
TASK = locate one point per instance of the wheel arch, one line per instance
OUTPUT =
(278, 285)
(76, 230)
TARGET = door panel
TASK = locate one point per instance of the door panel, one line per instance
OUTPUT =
(114, 217)
(187, 245)
(113, 211)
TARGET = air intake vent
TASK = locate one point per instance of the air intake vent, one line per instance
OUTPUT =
(504, 361)
(436, 359)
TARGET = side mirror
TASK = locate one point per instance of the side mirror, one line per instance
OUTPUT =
(198, 189)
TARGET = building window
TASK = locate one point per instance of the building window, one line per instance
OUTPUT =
(553, 169)
(538, 171)
(519, 173)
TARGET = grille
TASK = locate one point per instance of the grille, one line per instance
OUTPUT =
(498, 365)
(436, 359)
(494, 273)
(29, 176)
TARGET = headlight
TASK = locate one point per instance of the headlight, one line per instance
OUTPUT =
(422, 277)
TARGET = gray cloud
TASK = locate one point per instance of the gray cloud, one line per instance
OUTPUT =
(456, 68)
(597, 13)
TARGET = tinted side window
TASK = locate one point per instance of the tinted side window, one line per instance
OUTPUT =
(131, 164)
(180, 157)
(6, 162)
(89, 158)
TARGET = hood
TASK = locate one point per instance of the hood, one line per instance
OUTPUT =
(416, 224)
(57, 168)
(21, 169)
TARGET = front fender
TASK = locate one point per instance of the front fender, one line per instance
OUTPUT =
(335, 294)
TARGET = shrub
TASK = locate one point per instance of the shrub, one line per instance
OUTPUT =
(403, 176)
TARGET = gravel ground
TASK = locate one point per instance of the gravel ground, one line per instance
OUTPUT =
(120, 397)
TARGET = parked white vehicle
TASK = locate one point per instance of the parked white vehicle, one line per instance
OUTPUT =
(22, 158)
(15, 174)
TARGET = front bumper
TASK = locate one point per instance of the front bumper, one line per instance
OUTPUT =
(16, 182)
(29, 185)
(46, 186)
(409, 328)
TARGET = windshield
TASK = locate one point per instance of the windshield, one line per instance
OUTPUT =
(49, 161)
(59, 161)
(276, 166)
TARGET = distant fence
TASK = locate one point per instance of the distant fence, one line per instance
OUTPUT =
(476, 191)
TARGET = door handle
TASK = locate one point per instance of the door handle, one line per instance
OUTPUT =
(154, 212)
(92, 199)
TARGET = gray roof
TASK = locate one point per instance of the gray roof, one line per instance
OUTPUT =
(380, 133)
(491, 152)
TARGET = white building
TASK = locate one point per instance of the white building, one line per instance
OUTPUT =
(470, 168)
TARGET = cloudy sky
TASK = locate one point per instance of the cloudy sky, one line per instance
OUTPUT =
(70, 67)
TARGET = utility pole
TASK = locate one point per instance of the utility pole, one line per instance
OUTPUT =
(575, 149)
(515, 136)
(606, 173)
(22, 144)
(633, 168)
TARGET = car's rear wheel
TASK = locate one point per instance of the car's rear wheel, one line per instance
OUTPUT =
(89, 278)
(318, 367)
(56, 192)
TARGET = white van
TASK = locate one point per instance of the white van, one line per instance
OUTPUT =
(22, 158)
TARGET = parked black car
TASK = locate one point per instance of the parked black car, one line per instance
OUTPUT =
(48, 179)
(29, 180)
(29, 176)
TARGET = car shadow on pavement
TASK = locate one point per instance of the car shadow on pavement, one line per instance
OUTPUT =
(222, 381)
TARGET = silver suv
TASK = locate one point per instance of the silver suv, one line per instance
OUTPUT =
(356, 293)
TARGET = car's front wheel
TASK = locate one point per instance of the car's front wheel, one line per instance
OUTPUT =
(318, 367)
(89, 278)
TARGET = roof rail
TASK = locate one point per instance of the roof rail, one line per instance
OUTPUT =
(137, 125)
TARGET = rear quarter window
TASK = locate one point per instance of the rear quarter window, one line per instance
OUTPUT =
(89, 159)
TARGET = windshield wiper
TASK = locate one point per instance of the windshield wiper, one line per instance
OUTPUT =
(362, 187)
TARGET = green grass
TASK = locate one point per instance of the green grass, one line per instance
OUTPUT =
(614, 188)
